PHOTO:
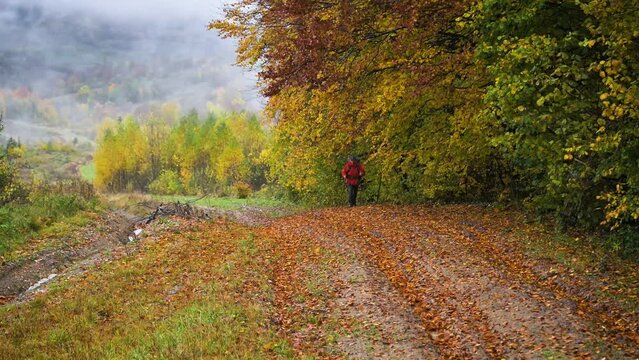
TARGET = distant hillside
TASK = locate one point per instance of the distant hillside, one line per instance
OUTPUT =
(63, 67)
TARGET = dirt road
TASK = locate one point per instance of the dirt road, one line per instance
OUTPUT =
(446, 282)
(372, 282)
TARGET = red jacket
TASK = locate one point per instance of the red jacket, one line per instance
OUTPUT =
(353, 172)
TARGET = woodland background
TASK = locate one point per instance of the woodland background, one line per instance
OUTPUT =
(531, 102)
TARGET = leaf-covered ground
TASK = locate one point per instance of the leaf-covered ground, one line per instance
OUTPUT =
(466, 274)
(369, 282)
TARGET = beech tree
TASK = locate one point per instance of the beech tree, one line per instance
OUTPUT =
(531, 101)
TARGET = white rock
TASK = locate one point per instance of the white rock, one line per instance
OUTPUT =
(41, 282)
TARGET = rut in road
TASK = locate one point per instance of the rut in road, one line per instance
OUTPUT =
(462, 288)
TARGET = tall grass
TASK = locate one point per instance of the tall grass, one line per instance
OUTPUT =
(45, 205)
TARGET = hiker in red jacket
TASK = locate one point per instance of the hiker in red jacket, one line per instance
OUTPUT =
(352, 174)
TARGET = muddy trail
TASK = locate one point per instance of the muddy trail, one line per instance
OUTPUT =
(74, 253)
(429, 282)
(103, 240)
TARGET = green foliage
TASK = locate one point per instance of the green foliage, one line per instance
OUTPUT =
(10, 186)
(193, 156)
(120, 158)
(168, 183)
(539, 72)
(406, 108)
(45, 205)
(242, 189)
(26, 209)
(565, 98)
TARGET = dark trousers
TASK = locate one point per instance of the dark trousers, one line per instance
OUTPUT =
(352, 194)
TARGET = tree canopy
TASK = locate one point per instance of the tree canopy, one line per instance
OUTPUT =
(533, 101)
(210, 155)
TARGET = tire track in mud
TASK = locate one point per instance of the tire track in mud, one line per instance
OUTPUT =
(358, 295)
(81, 249)
(553, 291)
(517, 322)
(476, 295)
(455, 324)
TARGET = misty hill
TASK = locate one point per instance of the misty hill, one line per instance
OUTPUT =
(63, 65)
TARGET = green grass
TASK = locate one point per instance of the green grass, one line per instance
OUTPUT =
(87, 172)
(53, 162)
(173, 299)
(585, 254)
(49, 216)
(226, 203)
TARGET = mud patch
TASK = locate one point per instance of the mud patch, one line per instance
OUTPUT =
(252, 216)
(85, 246)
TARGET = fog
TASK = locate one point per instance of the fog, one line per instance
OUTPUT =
(145, 10)
(68, 64)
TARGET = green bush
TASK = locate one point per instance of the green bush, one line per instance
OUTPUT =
(168, 183)
(625, 242)
(564, 95)
(10, 187)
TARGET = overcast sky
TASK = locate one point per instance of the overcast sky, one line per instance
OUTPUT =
(133, 10)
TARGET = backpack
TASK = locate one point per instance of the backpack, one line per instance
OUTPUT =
(353, 170)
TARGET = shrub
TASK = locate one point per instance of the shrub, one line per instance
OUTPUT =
(74, 187)
(242, 189)
(45, 205)
(168, 183)
(10, 187)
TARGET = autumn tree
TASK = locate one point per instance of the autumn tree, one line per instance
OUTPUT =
(532, 101)
(393, 82)
(193, 156)
(121, 157)
(565, 99)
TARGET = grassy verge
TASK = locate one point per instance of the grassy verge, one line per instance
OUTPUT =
(44, 218)
(196, 293)
(227, 203)
(584, 254)
(587, 255)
